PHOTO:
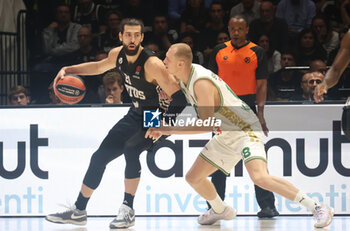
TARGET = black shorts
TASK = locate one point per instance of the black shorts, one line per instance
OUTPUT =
(127, 136)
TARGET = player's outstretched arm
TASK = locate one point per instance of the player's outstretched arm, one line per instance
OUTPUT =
(341, 61)
(90, 68)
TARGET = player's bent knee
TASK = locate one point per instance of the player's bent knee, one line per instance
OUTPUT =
(98, 160)
(132, 169)
(131, 173)
(191, 179)
(262, 180)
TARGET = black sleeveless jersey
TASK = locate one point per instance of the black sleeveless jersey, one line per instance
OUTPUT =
(143, 94)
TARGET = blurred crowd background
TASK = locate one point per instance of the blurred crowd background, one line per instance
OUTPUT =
(38, 37)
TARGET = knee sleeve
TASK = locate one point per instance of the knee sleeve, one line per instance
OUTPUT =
(95, 171)
(132, 167)
(345, 121)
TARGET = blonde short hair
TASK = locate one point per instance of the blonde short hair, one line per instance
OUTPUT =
(183, 51)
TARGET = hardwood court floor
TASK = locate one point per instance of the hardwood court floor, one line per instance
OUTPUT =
(241, 223)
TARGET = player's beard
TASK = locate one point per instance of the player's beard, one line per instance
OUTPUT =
(131, 52)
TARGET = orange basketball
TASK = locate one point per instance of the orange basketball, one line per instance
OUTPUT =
(70, 90)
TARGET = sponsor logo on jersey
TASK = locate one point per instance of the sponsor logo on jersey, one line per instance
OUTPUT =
(120, 60)
(138, 69)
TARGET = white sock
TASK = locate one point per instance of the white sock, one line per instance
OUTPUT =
(217, 205)
(306, 201)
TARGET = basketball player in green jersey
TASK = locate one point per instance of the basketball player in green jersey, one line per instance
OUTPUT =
(238, 137)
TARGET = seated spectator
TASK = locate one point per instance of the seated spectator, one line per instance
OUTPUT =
(39, 14)
(109, 5)
(89, 14)
(308, 83)
(18, 96)
(214, 26)
(109, 39)
(222, 37)
(319, 66)
(161, 34)
(112, 88)
(125, 96)
(188, 38)
(228, 5)
(309, 49)
(298, 15)
(60, 37)
(249, 9)
(283, 83)
(53, 98)
(86, 51)
(177, 7)
(337, 12)
(155, 48)
(142, 10)
(194, 17)
(273, 56)
(275, 28)
(175, 10)
(328, 38)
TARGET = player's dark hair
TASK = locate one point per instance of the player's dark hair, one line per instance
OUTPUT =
(131, 22)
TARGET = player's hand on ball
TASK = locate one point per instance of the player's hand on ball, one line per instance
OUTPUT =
(70, 89)
(60, 75)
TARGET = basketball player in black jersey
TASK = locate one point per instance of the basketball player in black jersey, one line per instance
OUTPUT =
(142, 72)
(341, 61)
